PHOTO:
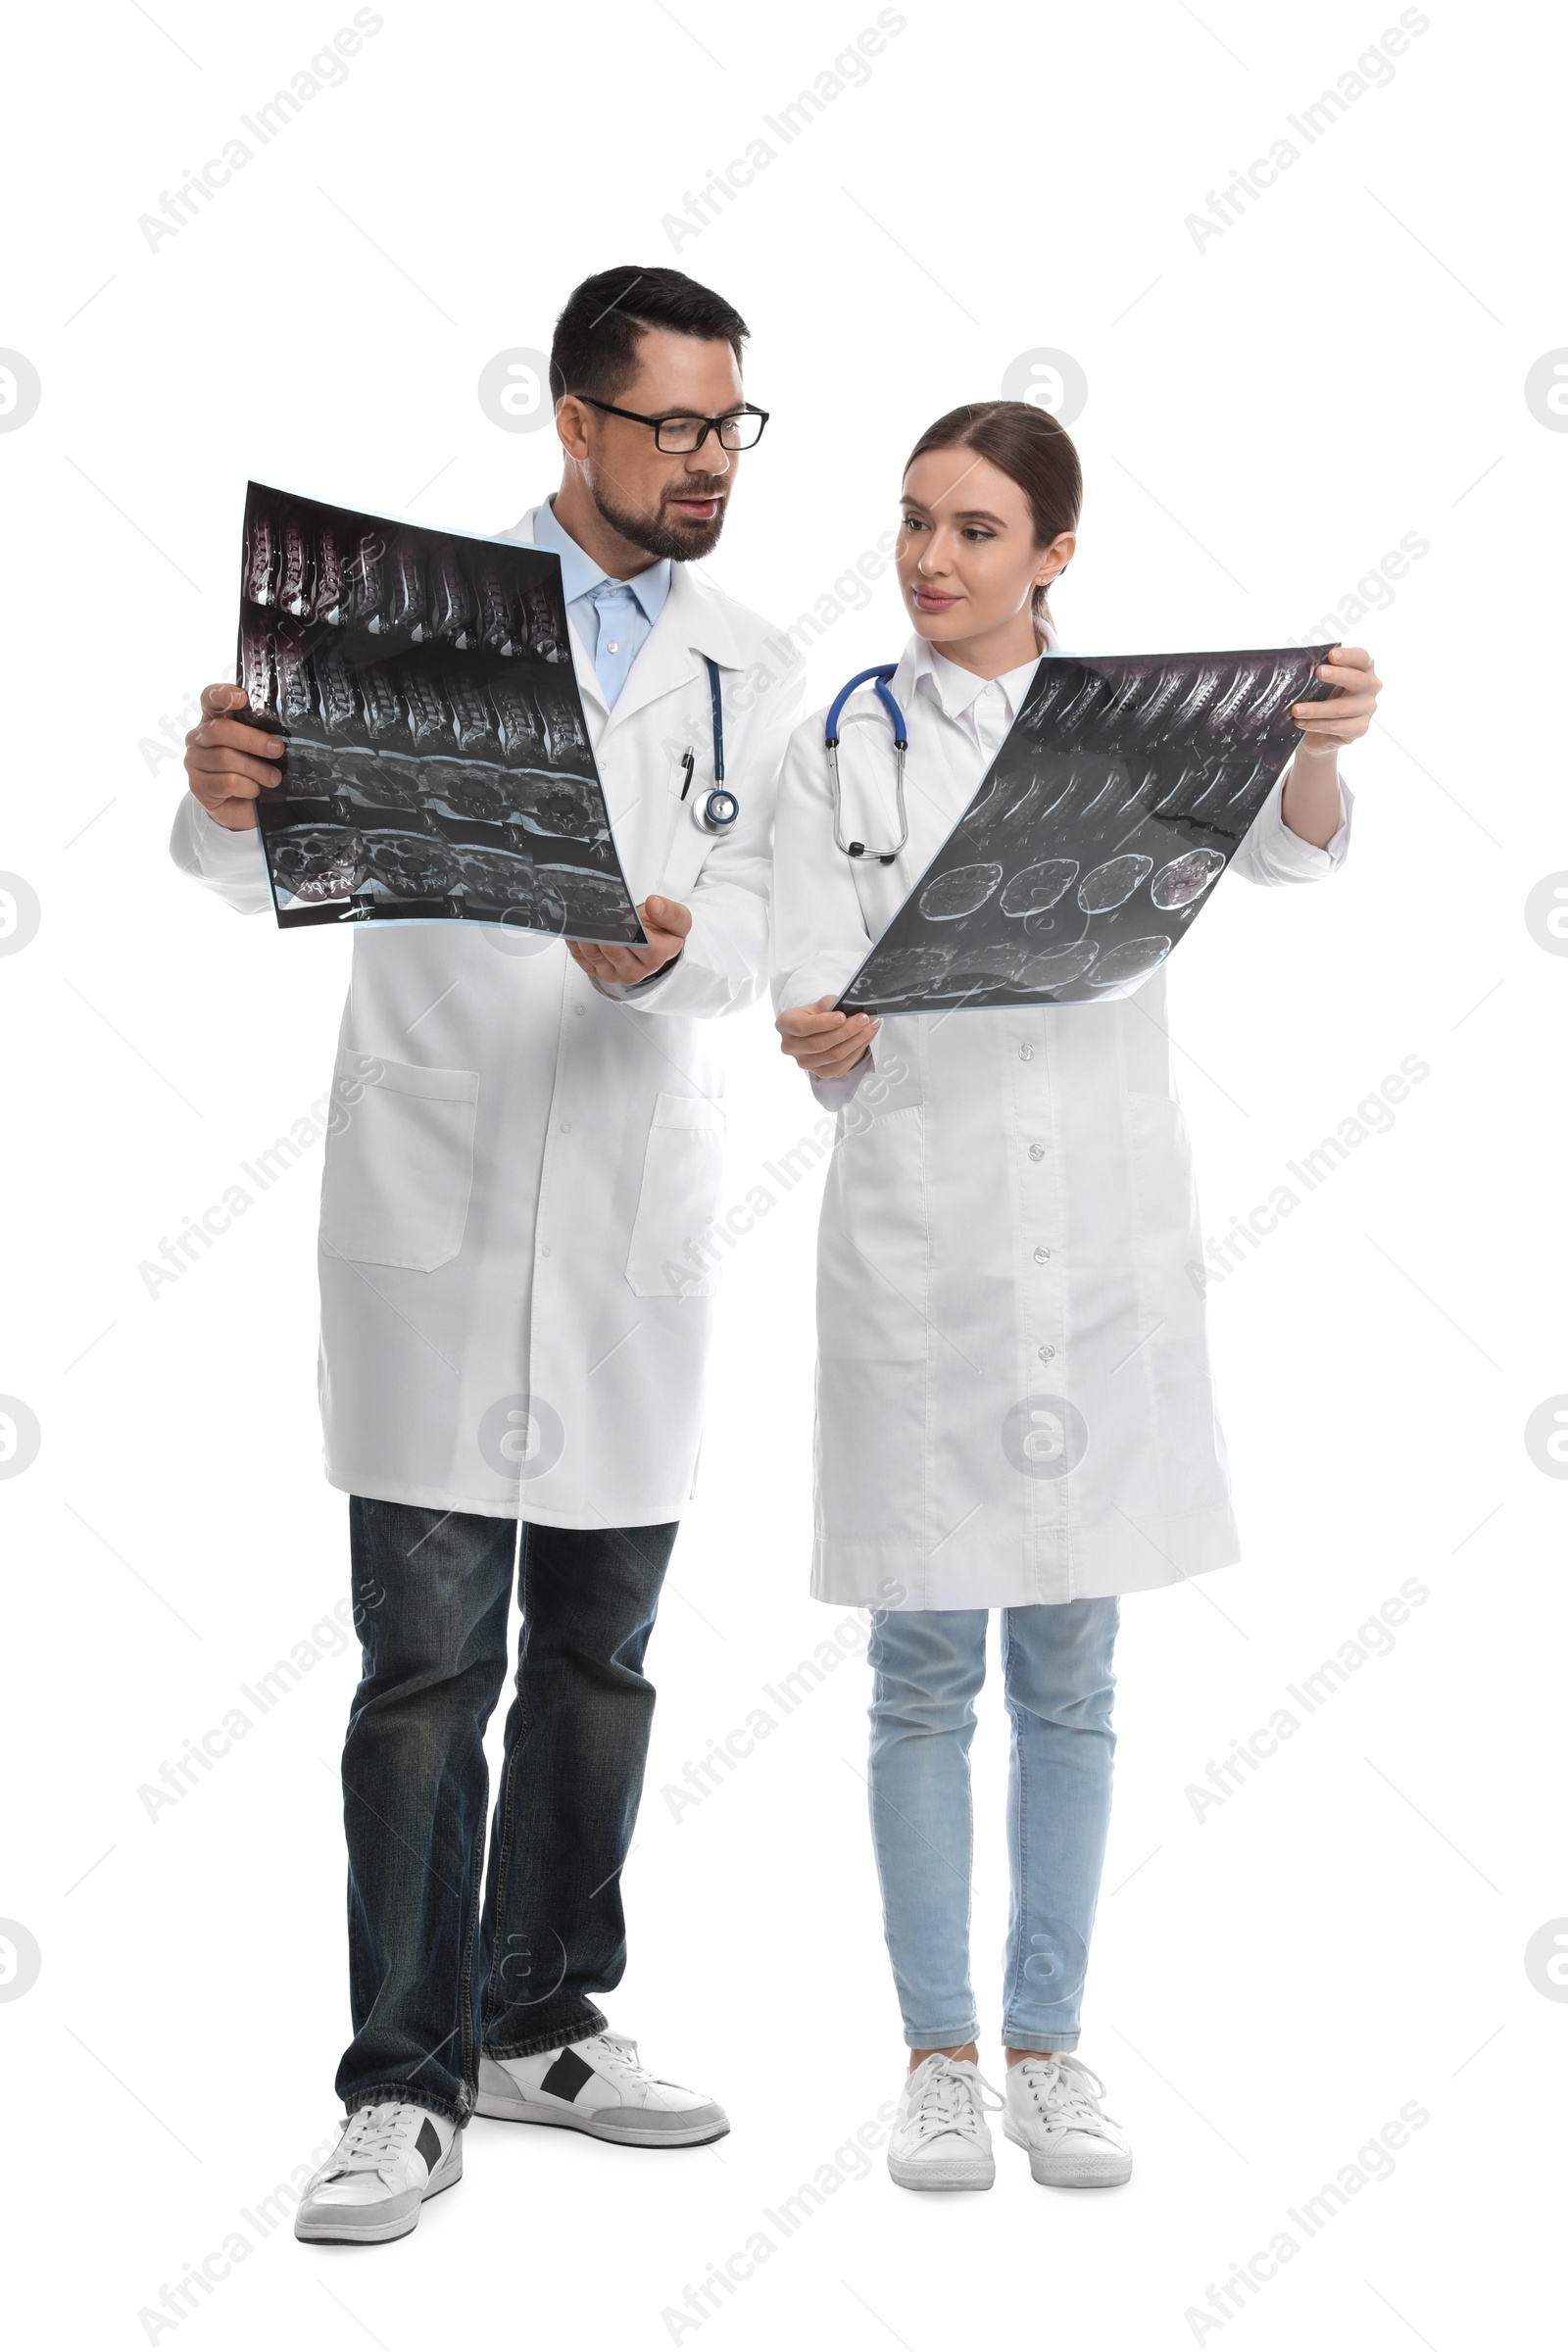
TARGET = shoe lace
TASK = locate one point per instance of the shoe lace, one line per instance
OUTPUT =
(1067, 2094)
(371, 2138)
(626, 2054)
(951, 2098)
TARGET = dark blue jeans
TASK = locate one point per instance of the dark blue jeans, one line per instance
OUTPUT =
(433, 1976)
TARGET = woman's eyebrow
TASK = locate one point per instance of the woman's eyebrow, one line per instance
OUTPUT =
(962, 514)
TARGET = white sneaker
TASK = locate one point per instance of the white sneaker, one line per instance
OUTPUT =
(1054, 2111)
(599, 2085)
(390, 2158)
(940, 2137)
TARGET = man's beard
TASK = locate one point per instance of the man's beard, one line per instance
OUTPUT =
(656, 536)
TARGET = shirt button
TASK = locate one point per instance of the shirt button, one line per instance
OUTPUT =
(1041, 1255)
(1047, 1352)
(1026, 1052)
(1036, 1151)
(612, 645)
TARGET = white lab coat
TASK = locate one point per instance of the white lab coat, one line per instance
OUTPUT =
(1013, 1402)
(510, 1323)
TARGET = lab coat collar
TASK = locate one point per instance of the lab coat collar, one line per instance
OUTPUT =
(692, 625)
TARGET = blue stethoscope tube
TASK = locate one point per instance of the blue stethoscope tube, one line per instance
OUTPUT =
(717, 810)
(878, 678)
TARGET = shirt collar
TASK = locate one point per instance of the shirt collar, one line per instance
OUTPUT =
(580, 575)
(956, 689)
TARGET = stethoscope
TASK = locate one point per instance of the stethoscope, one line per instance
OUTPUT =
(717, 810)
(900, 744)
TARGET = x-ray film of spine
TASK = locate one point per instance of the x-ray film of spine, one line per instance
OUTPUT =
(438, 764)
(1097, 833)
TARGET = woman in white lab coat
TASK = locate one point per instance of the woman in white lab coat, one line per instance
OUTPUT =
(1015, 1404)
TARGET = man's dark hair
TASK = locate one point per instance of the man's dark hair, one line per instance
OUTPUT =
(595, 346)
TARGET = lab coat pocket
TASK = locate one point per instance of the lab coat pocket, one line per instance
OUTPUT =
(399, 1169)
(682, 1170)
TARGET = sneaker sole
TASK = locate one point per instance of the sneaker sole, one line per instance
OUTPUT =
(950, 2173)
(382, 2234)
(624, 2135)
(1054, 2172)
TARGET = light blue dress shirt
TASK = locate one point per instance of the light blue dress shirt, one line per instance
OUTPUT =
(613, 617)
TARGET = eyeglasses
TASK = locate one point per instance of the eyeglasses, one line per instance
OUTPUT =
(679, 436)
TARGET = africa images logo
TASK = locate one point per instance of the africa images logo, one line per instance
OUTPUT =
(19, 1960)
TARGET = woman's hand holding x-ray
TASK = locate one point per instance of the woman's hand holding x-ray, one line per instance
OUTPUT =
(1311, 806)
(826, 1043)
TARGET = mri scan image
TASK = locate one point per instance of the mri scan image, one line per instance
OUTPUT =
(1094, 839)
(1185, 878)
(1113, 883)
(1039, 887)
(439, 767)
(959, 893)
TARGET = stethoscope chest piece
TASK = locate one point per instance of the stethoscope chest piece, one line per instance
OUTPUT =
(717, 810)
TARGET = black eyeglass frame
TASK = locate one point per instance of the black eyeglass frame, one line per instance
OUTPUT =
(709, 424)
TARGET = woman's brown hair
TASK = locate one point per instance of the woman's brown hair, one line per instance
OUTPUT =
(1032, 450)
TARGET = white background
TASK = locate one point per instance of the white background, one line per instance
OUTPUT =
(1267, 414)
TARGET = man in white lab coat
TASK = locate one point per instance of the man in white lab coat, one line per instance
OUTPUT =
(526, 1148)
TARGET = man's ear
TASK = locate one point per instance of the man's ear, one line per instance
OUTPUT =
(571, 421)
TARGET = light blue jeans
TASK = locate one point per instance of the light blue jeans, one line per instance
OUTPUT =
(929, 1665)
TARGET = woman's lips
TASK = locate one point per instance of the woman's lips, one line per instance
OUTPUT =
(933, 600)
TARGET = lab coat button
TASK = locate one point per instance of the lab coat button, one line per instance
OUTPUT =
(545, 1250)
(1037, 1150)
(1041, 1255)
(565, 1126)
(1047, 1352)
(1026, 1052)
(579, 1010)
